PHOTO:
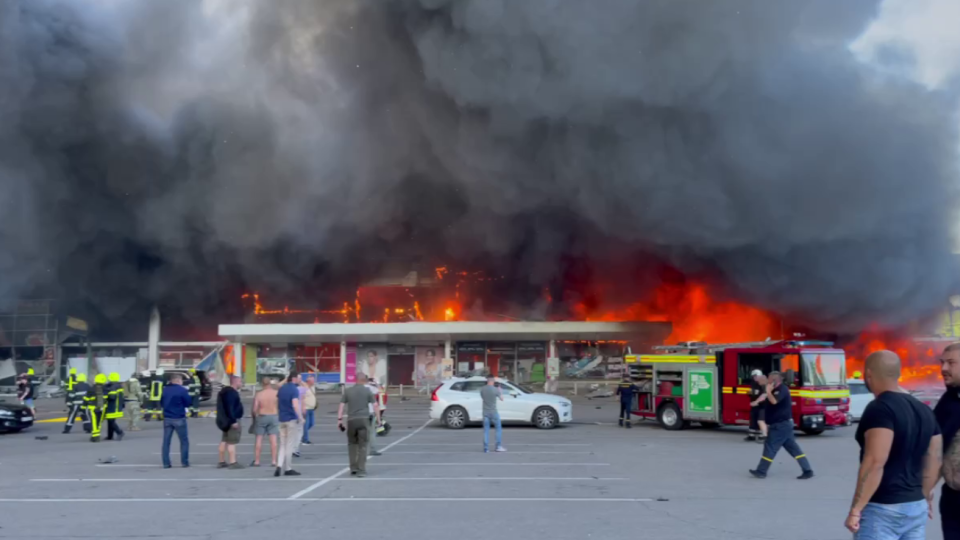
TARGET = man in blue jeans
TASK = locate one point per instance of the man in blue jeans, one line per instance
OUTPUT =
(175, 401)
(490, 394)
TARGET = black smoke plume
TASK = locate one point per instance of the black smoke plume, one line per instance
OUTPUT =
(182, 151)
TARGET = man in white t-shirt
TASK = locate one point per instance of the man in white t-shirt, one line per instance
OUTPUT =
(375, 390)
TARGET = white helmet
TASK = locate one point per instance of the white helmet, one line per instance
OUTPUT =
(145, 373)
(756, 373)
(159, 372)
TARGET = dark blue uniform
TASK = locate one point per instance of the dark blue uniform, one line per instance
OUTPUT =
(626, 391)
(948, 416)
(780, 434)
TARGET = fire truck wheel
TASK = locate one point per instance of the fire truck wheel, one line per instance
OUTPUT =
(669, 417)
(545, 418)
(813, 431)
(455, 417)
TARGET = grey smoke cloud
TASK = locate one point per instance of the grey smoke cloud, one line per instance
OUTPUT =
(267, 143)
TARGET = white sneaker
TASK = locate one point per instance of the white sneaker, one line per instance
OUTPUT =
(501, 449)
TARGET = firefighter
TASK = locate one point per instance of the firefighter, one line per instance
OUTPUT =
(780, 425)
(132, 395)
(68, 386)
(114, 406)
(626, 390)
(77, 406)
(144, 380)
(194, 389)
(156, 393)
(95, 401)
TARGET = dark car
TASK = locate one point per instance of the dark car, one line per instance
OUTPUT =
(206, 389)
(14, 417)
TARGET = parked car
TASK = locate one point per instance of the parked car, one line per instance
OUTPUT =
(206, 388)
(457, 403)
(14, 417)
(860, 397)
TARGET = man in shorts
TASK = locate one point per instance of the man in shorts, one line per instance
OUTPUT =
(266, 421)
(229, 415)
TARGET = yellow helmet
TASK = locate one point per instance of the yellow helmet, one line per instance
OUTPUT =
(193, 370)
(114, 377)
(29, 371)
(73, 371)
(81, 377)
(857, 375)
(100, 379)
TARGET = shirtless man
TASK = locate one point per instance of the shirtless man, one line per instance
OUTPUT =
(266, 421)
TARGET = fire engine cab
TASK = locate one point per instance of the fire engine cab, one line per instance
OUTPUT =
(710, 383)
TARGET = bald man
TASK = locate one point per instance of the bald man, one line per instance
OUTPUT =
(900, 447)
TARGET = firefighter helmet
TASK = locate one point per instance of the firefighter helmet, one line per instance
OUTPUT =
(100, 379)
(857, 375)
(159, 372)
(114, 377)
(29, 371)
(73, 371)
(81, 377)
(145, 373)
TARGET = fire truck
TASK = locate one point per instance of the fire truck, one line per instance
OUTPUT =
(710, 383)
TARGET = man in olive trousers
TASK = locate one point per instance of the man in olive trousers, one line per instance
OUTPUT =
(357, 400)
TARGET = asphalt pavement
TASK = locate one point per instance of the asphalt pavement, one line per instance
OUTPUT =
(589, 479)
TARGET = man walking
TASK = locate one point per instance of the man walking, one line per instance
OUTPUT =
(780, 429)
(626, 390)
(357, 400)
(266, 422)
(132, 394)
(229, 415)
(947, 413)
(758, 395)
(309, 408)
(900, 447)
(174, 402)
(291, 424)
(490, 394)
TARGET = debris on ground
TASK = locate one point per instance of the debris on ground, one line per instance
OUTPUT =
(111, 459)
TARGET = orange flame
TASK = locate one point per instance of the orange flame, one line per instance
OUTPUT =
(697, 317)
(919, 358)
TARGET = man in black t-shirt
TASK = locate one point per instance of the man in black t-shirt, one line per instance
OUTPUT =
(899, 445)
(948, 417)
(779, 413)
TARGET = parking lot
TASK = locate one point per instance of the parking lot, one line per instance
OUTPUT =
(589, 479)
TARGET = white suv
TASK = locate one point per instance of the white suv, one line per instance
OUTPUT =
(457, 402)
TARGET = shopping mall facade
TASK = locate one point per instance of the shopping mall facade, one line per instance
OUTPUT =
(420, 353)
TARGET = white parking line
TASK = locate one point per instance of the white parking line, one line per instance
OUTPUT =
(346, 469)
(377, 479)
(434, 452)
(340, 499)
(490, 463)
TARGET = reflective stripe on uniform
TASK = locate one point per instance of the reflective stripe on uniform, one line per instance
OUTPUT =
(768, 459)
(801, 456)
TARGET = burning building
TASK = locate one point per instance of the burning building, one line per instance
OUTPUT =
(737, 169)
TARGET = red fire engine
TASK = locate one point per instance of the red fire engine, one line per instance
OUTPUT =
(709, 383)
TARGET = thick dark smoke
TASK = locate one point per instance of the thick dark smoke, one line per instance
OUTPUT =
(181, 151)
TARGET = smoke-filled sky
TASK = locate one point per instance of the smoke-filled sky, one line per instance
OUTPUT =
(181, 151)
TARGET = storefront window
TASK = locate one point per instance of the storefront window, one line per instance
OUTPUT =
(590, 359)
